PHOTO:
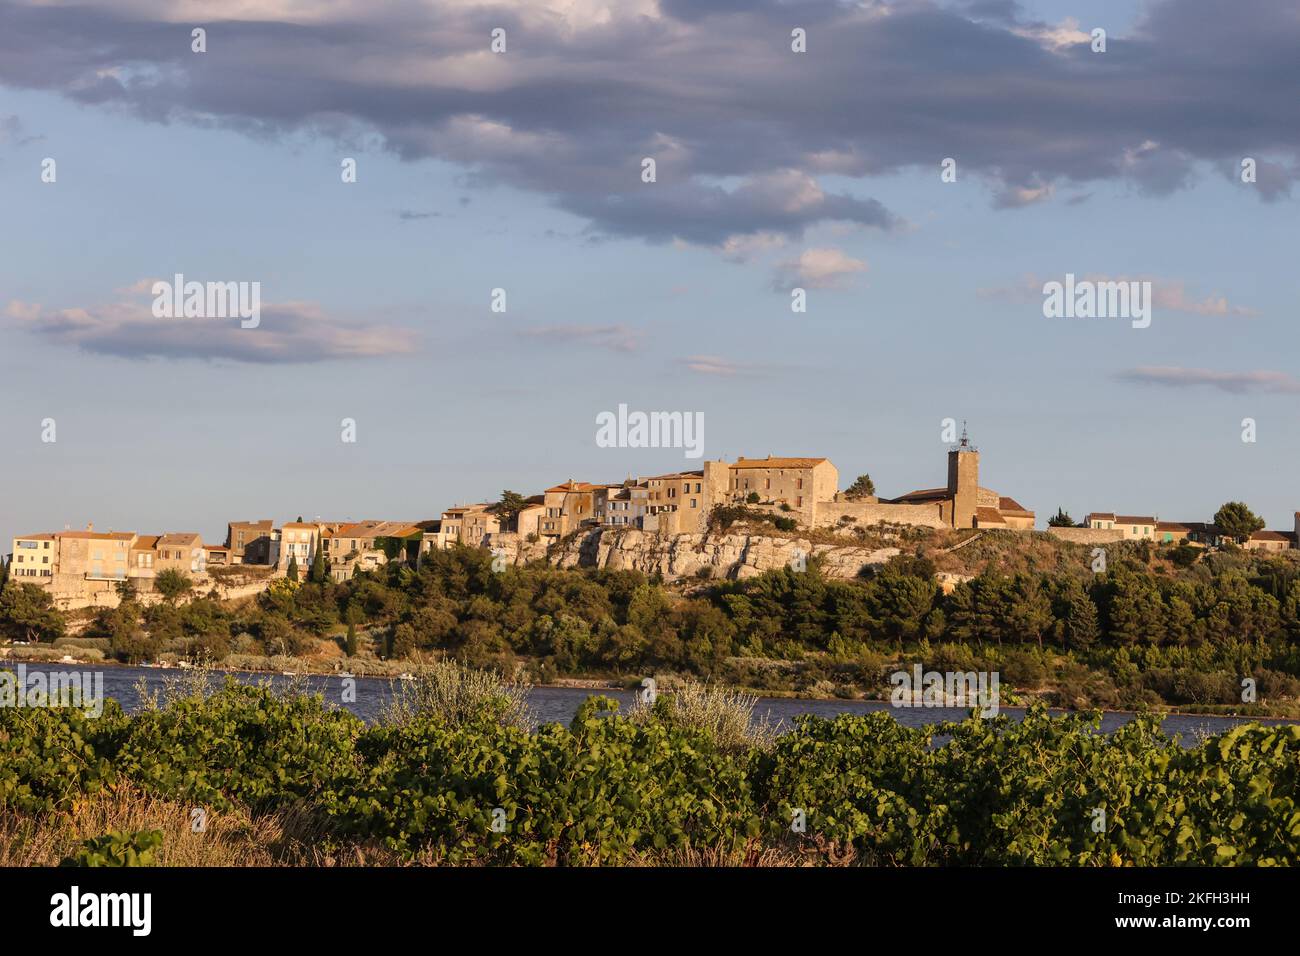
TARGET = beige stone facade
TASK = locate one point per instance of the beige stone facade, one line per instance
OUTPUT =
(962, 503)
(1133, 527)
(799, 483)
(250, 541)
(35, 559)
(298, 542)
(182, 551)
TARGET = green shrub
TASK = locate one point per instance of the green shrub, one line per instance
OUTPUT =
(117, 848)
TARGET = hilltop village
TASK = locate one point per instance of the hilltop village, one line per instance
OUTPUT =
(86, 568)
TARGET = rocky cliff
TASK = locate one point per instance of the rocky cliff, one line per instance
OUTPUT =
(735, 554)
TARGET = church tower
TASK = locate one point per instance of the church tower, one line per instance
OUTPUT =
(964, 481)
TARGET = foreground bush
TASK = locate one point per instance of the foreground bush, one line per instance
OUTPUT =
(465, 786)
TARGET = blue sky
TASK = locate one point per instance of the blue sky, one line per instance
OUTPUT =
(670, 298)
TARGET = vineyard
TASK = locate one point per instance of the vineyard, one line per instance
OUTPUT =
(485, 787)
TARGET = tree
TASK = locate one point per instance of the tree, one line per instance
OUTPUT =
(1061, 519)
(1237, 521)
(512, 502)
(292, 572)
(125, 590)
(753, 498)
(318, 573)
(862, 487)
(172, 584)
(27, 613)
(350, 642)
(4, 572)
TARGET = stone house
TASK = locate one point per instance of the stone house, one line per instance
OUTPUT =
(181, 551)
(250, 541)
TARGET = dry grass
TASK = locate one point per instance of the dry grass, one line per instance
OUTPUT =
(456, 695)
(291, 838)
(726, 715)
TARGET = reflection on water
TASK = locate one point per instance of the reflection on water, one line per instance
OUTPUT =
(560, 703)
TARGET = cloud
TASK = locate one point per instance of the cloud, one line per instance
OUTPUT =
(740, 126)
(1167, 295)
(715, 365)
(1234, 382)
(288, 333)
(615, 338)
(816, 269)
(1015, 197)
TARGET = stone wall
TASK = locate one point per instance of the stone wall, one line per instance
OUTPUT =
(1088, 535)
(868, 513)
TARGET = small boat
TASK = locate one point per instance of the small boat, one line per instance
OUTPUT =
(345, 674)
(406, 676)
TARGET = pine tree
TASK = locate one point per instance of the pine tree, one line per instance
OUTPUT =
(350, 644)
(292, 572)
(318, 572)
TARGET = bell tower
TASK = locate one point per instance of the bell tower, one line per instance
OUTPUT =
(963, 481)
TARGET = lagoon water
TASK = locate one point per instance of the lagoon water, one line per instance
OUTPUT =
(560, 703)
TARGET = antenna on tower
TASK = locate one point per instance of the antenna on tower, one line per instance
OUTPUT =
(964, 444)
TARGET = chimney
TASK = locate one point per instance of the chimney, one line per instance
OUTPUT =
(90, 526)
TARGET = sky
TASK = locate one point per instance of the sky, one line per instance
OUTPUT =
(522, 171)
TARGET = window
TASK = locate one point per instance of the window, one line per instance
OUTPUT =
(799, 501)
(798, 483)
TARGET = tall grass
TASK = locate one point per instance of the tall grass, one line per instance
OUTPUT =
(726, 715)
(450, 692)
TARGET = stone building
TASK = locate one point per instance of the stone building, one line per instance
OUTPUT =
(298, 542)
(250, 541)
(1133, 527)
(798, 483)
(182, 551)
(961, 503)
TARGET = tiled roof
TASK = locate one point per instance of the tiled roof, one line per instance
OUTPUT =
(1011, 506)
(576, 486)
(1134, 519)
(1100, 516)
(266, 524)
(1171, 526)
(1271, 536)
(181, 537)
(924, 494)
(97, 535)
(44, 536)
(770, 462)
(145, 542)
(988, 516)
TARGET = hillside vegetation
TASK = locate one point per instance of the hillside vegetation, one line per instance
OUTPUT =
(1158, 626)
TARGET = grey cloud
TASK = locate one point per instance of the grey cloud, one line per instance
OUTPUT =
(1234, 382)
(616, 338)
(712, 91)
(288, 333)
